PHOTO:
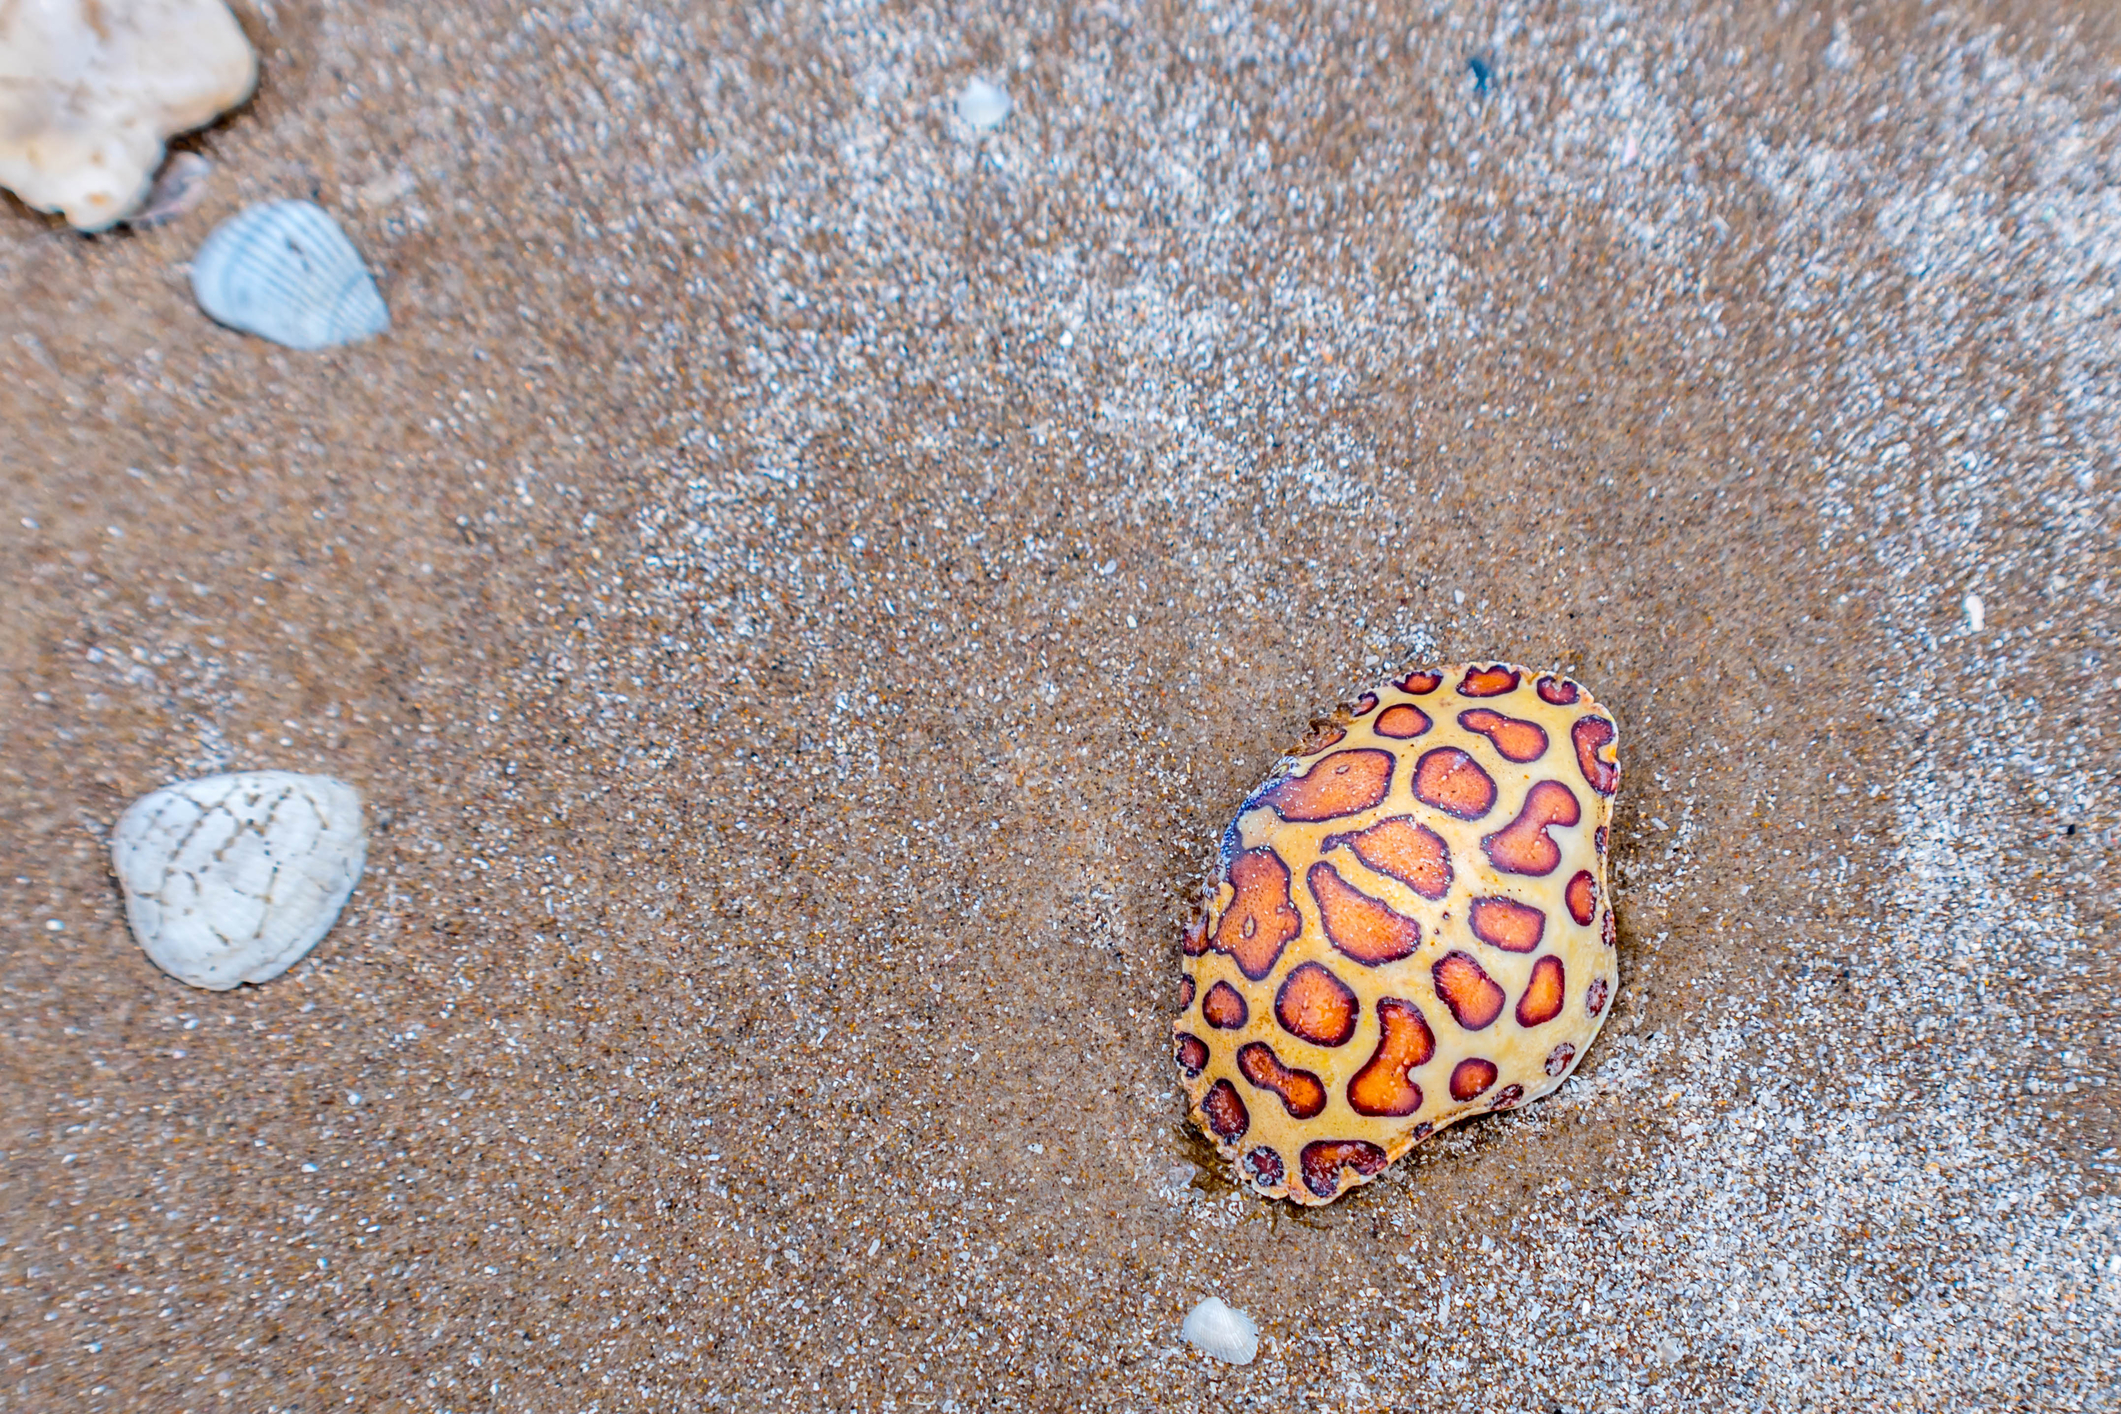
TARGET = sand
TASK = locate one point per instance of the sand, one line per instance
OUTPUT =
(802, 584)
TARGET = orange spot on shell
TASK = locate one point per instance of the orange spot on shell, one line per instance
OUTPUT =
(1488, 682)
(1384, 1087)
(1340, 784)
(1185, 990)
(1323, 1159)
(1301, 1093)
(1558, 691)
(1413, 854)
(1223, 1007)
(1452, 781)
(1596, 755)
(1594, 999)
(1560, 1058)
(1226, 1113)
(1403, 722)
(1542, 999)
(1194, 937)
(1605, 929)
(1362, 706)
(1313, 1005)
(1464, 986)
(1192, 1054)
(1265, 1167)
(1420, 682)
(1513, 737)
(1582, 896)
(1523, 846)
(1507, 1096)
(1507, 924)
(1471, 1076)
(1358, 926)
(1260, 920)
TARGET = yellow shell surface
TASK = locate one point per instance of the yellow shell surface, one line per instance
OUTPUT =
(1409, 925)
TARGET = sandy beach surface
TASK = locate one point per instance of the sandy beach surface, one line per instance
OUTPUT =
(804, 582)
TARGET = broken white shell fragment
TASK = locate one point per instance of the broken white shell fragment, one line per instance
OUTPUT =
(286, 272)
(90, 88)
(233, 878)
(1222, 1331)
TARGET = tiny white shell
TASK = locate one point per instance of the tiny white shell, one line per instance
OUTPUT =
(286, 272)
(982, 105)
(233, 878)
(1221, 1330)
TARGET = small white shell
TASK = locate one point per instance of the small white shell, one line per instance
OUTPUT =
(233, 878)
(1222, 1331)
(286, 272)
(982, 105)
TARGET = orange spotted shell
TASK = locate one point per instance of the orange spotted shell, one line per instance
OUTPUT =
(1409, 925)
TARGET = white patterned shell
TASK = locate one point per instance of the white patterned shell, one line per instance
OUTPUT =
(232, 879)
(286, 272)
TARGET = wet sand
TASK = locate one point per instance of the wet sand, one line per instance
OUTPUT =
(802, 586)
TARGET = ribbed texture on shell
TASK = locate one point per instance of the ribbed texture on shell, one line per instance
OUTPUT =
(286, 272)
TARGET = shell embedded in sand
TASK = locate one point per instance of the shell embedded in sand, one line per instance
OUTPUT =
(177, 188)
(90, 88)
(285, 271)
(1409, 926)
(232, 879)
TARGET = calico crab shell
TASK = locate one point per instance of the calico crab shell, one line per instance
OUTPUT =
(1409, 925)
